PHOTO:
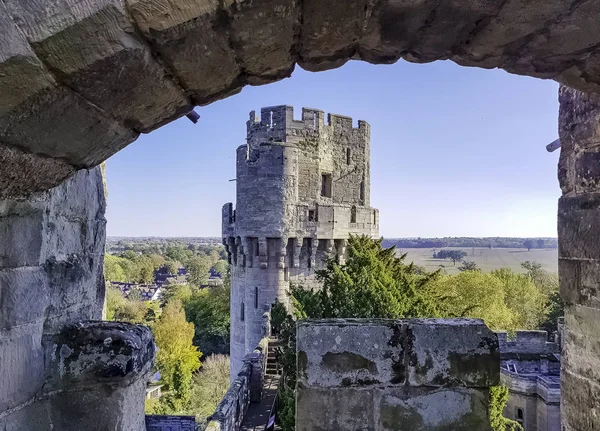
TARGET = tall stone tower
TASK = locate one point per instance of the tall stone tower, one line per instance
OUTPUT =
(303, 186)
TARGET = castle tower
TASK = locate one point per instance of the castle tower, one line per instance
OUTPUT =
(303, 186)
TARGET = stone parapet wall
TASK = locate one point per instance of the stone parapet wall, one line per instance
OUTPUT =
(401, 375)
(246, 388)
(56, 370)
(579, 258)
(526, 342)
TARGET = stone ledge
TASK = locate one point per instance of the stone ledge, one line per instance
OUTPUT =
(98, 353)
(380, 352)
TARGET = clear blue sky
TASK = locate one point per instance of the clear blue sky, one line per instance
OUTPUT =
(454, 152)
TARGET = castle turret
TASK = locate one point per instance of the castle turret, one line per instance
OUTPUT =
(303, 186)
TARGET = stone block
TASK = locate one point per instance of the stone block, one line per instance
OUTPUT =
(417, 409)
(22, 365)
(392, 409)
(577, 227)
(418, 352)
(22, 236)
(98, 353)
(74, 287)
(193, 38)
(17, 165)
(347, 352)
(580, 402)
(348, 409)
(95, 50)
(265, 51)
(100, 409)
(23, 74)
(32, 417)
(448, 27)
(330, 32)
(513, 22)
(570, 33)
(24, 296)
(580, 281)
(53, 114)
(460, 352)
(581, 346)
(80, 198)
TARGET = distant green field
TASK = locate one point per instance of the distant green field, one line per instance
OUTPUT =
(487, 259)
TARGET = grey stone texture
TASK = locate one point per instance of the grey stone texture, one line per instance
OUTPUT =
(245, 388)
(579, 259)
(170, 423)
(286, 220)
(81, 78)
(402, 375)
(51, 263)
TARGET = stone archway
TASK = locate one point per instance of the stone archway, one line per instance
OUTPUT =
(80, 80)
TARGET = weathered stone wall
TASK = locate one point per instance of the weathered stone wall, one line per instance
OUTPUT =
(401, 375)
(246, 388)
(579, 258)
(283, 228)
(527, 342)
(51, 257)
(51, 263)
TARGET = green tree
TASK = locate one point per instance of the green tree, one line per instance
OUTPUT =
(498, 400)
(221, 266)
(468, 265)
(473, 294)
(198, 270)
(209, 386)
(548, 285)
(208, 309)
(528, 244)
(455, 255)
(177, 358)
(157, 260)
(373, 282)
(146, 270)
(522, 297)
(119, 308)
(172, 267)
(113, 271)
(130, 255)
(176, 253)
(181, 292)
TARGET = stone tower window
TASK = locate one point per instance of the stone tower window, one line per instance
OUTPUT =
(348, 156)
(353, 214)
(520, 418)
(311, 215)
(242, 312)
(374, 217)
(362, 192)
(256, 297)
(326, 185)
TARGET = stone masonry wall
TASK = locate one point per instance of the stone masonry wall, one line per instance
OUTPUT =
(51, 258)
(579, 258)
(58, 371)
(401, 375)
(245, 388)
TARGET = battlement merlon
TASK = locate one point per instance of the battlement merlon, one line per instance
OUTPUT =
(527, 342)
(276, 122)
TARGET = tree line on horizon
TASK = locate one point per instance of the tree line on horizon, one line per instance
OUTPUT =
(469, 242)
